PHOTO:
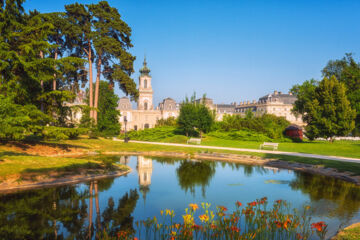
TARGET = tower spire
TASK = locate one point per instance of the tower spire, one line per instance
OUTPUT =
(145, 70)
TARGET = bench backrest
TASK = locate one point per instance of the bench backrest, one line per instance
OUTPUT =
(195, 140)
(270, 143)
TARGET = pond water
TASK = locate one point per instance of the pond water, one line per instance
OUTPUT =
(166, 183)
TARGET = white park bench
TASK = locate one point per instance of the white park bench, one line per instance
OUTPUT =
(194, 140)
(269, 144)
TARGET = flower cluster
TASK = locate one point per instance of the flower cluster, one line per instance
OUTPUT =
(254, 220)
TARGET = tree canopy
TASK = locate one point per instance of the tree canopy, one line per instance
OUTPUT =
(325, 108)
(347, 71)
(195, 117)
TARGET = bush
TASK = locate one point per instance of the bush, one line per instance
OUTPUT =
(241, 135)
(270, 125)
(18, 122)
(60, 133)
(152, 134)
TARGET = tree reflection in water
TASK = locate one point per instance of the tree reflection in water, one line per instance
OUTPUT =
(63, 213)
(343, 198)
(193, 173)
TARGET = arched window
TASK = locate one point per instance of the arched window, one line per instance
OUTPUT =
(146, 125)
(146, 106)
(135, 127)
(145, 83)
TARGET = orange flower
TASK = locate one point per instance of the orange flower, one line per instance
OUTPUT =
(222, 208)
(252, 204)
(204, 218)
(238, 204)
(298, 236)
(319, 226)
(193, 206)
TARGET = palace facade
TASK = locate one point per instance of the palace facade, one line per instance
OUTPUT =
(145, 116)
(276, 103)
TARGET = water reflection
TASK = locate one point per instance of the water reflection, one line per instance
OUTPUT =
(144, 168)
(334, 197)
(192, 173)
(83, 211)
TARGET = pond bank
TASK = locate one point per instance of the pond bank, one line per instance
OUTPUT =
(42, 181)
(253, 160)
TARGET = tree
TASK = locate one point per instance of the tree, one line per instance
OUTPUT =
(108, 122)
(347, 71)
(101, 35)
(325, 108)
(81, 39)
(112, 41)
(195, 117)
(17, 122)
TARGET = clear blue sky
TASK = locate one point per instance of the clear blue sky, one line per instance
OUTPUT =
(233, 50)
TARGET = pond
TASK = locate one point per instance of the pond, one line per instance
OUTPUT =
(165, 183)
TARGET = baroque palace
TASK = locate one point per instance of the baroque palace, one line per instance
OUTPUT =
(146, 116)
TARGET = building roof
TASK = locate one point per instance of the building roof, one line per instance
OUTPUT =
(280, 97)
(145, 70)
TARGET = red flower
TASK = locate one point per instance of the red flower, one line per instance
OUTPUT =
(319, 226)
(238, 204)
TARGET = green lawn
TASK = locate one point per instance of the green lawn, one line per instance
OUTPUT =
(349, 233)
(12, 162)
(103, 145)
(338, 148)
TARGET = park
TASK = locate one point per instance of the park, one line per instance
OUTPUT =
(85, 153)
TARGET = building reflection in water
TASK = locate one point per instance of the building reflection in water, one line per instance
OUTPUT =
(124, 160)
(144, 168)
(276, 170)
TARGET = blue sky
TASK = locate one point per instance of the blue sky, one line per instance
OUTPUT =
(233, 50)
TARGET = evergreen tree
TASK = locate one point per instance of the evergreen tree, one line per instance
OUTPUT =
(112, 41)
(108, 122)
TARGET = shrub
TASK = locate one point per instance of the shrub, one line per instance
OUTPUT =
(242, 135)
(270, 125)
(17, 121)
(60, 133)
(151, 134)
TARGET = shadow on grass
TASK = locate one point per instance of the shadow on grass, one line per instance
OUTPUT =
(24, 145)
(73, 168)
(10, 153)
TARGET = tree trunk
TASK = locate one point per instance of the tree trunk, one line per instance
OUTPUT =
(96, 103)
(90, 209)
(97, 207)
(54, 81)
(42, 85)
(91, 101)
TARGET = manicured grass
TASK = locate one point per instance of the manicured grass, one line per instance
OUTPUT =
(12, 162)
(349, 233)
(338, 148)
(103, 145)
